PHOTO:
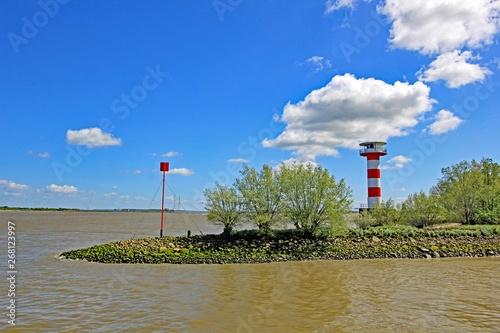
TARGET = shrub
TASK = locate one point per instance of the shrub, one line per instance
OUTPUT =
(224, 207)
(385, 214)
(312, 198)
(364, 220)
(262, 197)
(486, 232)
(420, 210)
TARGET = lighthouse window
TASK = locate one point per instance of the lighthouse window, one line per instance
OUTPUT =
(370, 146)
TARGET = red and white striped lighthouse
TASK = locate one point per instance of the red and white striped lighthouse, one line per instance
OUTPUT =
(373, 151)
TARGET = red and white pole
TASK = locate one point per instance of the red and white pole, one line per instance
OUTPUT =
(164, 168)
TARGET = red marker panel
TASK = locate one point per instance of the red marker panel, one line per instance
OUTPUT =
(163, 166)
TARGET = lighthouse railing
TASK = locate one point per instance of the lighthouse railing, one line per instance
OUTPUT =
(373, 150)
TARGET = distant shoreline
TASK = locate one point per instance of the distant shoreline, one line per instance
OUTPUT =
(125, 210)
(289, 245)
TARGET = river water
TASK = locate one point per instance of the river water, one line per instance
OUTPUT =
(54, 295)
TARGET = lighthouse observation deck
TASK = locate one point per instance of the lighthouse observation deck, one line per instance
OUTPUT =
(372, 147)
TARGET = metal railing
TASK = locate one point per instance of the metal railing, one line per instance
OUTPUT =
(373, 150)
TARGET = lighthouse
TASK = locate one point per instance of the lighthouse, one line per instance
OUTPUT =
(372, 151)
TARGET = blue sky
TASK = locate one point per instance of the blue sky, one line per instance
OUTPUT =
(94, 95)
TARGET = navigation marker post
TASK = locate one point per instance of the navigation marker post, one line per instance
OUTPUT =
(164, 168)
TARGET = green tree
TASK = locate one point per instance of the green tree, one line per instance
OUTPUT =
(421, 210)
(224, 207)
(488, 205)
(469, 191)
(262, 197)
(458, 190)
(311, 196)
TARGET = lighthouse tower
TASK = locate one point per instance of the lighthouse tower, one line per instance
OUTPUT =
(373, 151)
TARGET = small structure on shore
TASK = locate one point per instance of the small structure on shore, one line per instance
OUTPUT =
(372, 151)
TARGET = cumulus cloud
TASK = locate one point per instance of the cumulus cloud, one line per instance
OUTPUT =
(44, 155)
(237, 160)
(180, 171)
(92, 137)
(10, 185)
(61, 189)
(438, 26)
(453, 68)
(445, 121)
(348, 111)
(333, 5)
(396, 162)
(292, 160)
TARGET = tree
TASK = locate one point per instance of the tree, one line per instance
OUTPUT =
(421, 210)
(488, 206)
(224, 207)
(470, 190)
(311, 196)
(262, 196)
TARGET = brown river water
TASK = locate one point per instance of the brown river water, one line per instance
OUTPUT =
(393, 295)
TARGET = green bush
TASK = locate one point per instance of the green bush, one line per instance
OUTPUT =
(312, 199)
(224, 207)
(486, 232)
(364, 220)
(420, 210)
(385, 214)
(261, 196)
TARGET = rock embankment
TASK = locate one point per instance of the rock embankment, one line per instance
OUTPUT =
(217, 249)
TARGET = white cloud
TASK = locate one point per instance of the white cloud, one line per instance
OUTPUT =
(44, 155)
(445, 121)
(453, 68)
(10, 185)
(402, 189)
(171, 154)
(292, 160)
(180, 171)
(138, 172)
(396, 162)
(319, 63)
(438, 26)
(348, 111)
(333, 5)
(61, 189)
(30, 152)
(92, 137)
(237, 160)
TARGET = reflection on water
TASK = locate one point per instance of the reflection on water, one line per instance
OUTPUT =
(437, 295)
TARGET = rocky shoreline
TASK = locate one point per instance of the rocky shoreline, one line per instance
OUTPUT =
(246, 247)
